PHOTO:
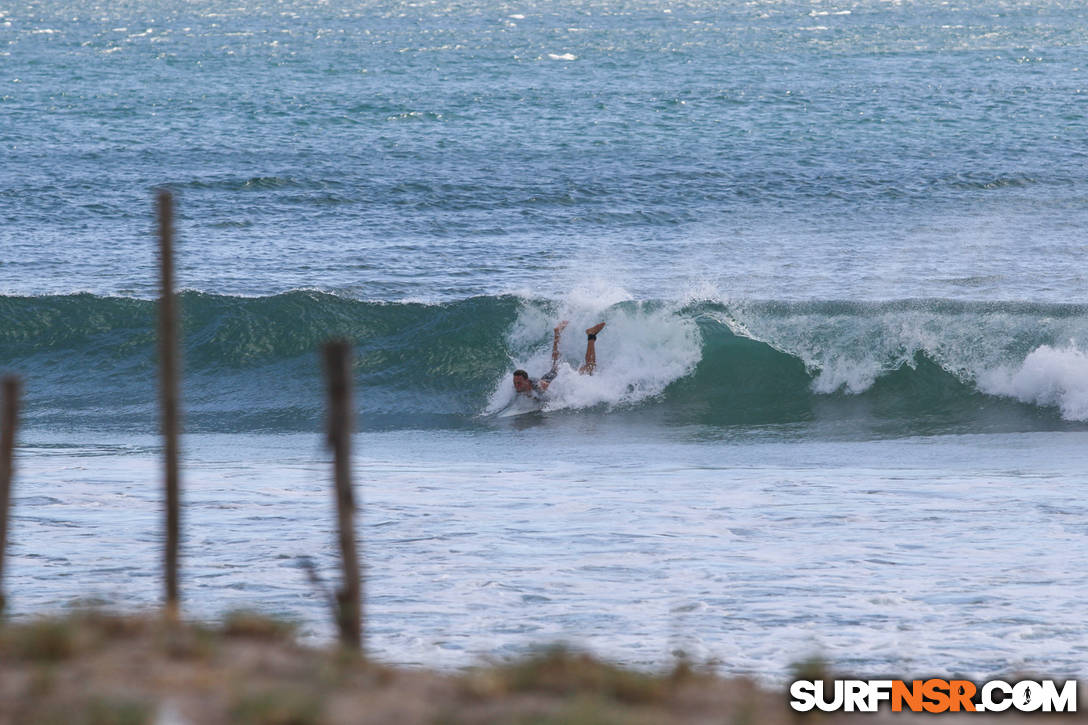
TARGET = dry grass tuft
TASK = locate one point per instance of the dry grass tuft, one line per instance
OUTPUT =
(41, 640)
(561, 671)
(813, 668)
(251, 625)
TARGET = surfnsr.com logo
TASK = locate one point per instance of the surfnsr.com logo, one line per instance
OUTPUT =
(933, 695)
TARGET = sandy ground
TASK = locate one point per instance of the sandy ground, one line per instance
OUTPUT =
(94, 668)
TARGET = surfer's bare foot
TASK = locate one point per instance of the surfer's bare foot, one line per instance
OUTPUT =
(595, 329)
(561, 326)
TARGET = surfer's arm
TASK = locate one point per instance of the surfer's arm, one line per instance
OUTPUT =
(547, 378)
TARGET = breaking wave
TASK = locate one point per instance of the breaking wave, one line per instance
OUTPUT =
(251, 363)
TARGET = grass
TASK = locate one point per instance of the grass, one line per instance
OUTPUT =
(43, 640)
(561, 671)
(97, 668)
(246, 623)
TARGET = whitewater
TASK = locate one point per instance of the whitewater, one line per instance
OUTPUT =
(933, 365)
(841, 403)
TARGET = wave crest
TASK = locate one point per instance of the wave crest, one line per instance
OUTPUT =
(251, 363)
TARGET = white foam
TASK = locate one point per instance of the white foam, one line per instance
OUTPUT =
(850, 376)
(562, 56)
(642, 349)
(1056, 376)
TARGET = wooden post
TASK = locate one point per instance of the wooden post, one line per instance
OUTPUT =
(349, 598)
(8, 420)
(168, 393)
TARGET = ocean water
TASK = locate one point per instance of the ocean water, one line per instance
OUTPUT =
(841, 403)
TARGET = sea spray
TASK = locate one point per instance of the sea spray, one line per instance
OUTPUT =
(1052, 376)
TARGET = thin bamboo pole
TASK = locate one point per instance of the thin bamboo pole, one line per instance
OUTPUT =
(349, 598)
(8, 422)
(168, 393)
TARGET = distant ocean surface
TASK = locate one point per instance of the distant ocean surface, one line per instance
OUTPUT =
(842, 399)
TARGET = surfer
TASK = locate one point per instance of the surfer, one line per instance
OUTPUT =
(533, 388)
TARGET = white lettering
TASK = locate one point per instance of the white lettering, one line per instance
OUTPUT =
(989, 704)
(856, 695)
(879, 690)
(804, 695)
(821, 698)
(1064, 701)
(1027, 696)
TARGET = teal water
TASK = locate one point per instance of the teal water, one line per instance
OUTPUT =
(838, 248)
(853, 369)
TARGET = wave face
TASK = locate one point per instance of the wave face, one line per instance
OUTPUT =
(251, 364)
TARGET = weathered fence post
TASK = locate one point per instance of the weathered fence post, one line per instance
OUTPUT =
(168, 393)
(349, 598)
(8, 420)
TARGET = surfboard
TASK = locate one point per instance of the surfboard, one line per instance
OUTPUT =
(520, 405)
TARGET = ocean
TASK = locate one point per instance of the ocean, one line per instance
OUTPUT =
(841, 402)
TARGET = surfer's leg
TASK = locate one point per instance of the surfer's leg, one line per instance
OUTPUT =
(555, 342)
(591, 349)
